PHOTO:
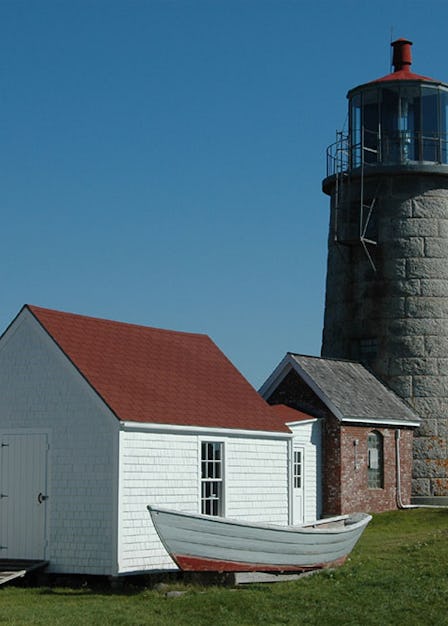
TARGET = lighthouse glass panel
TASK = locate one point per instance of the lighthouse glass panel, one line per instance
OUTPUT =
(409, 123)
(390, 135)
(370, 120)
(444, 124)
(399, 123)
(355, 130)
(430, 127)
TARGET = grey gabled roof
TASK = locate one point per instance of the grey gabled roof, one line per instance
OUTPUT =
(352, 392)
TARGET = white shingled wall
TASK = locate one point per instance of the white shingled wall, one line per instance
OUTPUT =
(257, 479)
(40, 389)
(162, 468)
(155, 468)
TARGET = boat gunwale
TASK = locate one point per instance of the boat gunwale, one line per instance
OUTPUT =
(308, 528)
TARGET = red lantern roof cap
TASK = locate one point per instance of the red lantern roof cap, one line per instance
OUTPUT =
(402, 61)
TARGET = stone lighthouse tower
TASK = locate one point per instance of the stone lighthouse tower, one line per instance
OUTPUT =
(387, 275)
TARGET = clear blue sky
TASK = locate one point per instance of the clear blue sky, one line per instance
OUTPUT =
(161, 161)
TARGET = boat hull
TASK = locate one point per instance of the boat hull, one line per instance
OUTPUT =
(204, 543)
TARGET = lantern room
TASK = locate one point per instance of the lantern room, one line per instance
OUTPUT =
(398, 120)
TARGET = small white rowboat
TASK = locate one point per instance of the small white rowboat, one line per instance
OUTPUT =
(217, 544)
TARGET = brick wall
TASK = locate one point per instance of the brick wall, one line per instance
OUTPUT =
(348, 463)
(332, 474)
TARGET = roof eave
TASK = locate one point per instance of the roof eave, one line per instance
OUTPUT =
(302, 422)
(198, 430)
(380, 421)
(397, 79)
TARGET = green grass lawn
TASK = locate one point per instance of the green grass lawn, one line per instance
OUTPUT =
(397, 574)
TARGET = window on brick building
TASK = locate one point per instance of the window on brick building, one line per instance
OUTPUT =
(375, 460)
(212, 478)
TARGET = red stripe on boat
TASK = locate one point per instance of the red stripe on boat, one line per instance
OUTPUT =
(196, 564)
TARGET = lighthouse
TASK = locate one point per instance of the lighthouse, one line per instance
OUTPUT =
(387, 273)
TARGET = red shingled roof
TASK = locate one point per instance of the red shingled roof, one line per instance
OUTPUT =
(288, 415)
(159, 376)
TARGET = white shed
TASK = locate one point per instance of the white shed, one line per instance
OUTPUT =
(98, 419)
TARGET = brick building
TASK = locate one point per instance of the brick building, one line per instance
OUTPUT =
(365, 460)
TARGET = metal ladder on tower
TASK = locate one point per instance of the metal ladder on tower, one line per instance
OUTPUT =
(347, 161)
(366, 209)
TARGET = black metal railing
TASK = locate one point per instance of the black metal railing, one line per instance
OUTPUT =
(387, 148)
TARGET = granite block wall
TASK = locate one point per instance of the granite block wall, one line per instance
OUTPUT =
(401, 304)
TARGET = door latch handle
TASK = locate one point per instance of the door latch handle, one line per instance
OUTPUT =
(41, 498)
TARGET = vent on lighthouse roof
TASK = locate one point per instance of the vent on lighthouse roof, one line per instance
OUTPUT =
(402, 61)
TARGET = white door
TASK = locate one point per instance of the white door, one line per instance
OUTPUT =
(23, 495)
(297, 484)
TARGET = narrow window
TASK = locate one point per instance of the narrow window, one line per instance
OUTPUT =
(375, 464)
(297, 469)
(211, 478)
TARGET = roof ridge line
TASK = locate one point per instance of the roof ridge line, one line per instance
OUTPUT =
(35, 309)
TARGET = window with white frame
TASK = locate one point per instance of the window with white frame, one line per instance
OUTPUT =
(297, 469)
(212, 477)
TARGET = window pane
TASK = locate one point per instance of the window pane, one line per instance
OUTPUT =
(211, 478)
(375, 464)
(429, 110)
(389, 109)
(389, 125)
(209, 451)
(444, 125)
(217, 451)
(370, 126)
(355, 130)
(297, 469)
(409, 123)
(429, 124)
